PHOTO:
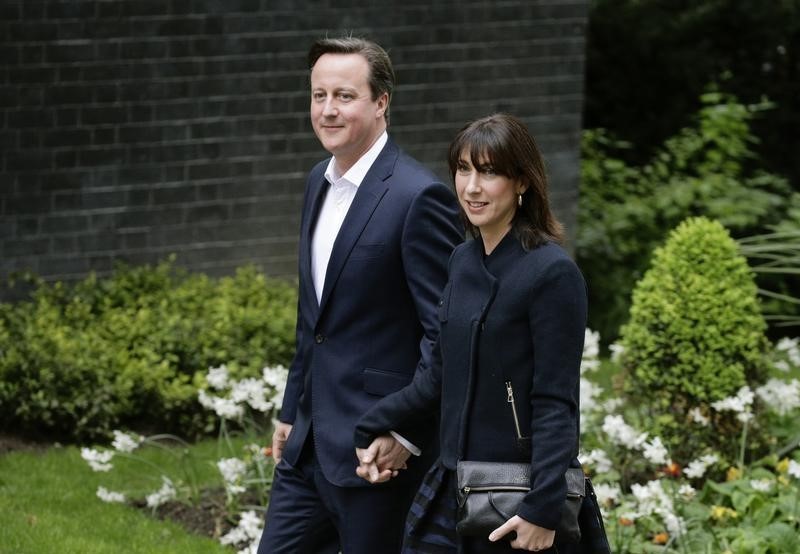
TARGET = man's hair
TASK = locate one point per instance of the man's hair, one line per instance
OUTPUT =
(381, 72)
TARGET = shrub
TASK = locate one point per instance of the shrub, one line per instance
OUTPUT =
(695, 335)
(625, 211)
(131, 350)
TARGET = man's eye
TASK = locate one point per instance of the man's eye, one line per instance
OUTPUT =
(346, 96)
(318, 96)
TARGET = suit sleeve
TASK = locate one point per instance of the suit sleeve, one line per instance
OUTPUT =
(294, 381)
(557, 315)
(431, 231)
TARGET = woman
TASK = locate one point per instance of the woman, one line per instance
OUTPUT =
(512, 317)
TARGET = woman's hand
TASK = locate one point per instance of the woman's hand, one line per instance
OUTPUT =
(529, 536)
(382, 460)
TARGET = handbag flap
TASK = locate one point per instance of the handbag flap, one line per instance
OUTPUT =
(492, 474)
(576, 482)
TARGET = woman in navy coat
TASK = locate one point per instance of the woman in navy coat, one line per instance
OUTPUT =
(507, 363)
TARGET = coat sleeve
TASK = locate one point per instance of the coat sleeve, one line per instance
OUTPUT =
(431, 231)
(557, 315)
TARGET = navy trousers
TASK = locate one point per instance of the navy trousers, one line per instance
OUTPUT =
(304, 507)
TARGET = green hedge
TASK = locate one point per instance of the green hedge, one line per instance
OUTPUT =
(695, 336)
(131, 350)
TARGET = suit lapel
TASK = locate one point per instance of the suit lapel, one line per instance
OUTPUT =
(364, 203)
(309, 222)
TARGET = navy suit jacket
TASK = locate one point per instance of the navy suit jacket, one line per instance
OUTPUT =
(376, 323)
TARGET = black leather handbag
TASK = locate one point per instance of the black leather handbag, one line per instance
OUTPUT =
(490, 492)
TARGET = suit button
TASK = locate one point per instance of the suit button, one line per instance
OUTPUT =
(319, 339)
(441, 302)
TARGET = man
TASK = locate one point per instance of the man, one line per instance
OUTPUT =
(376, 232)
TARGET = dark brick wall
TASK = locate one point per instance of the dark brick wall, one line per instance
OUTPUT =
(132, 129)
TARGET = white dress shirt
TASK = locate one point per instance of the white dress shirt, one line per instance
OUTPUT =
(337, 201)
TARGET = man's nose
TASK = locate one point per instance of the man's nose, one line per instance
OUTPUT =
(329, 109)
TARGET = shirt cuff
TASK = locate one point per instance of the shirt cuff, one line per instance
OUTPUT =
(409, 446)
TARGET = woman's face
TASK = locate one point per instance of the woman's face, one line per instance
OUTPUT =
(488, 199)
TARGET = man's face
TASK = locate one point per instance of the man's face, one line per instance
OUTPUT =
(345, 118)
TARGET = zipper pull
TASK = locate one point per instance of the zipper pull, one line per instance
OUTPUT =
(510, 392)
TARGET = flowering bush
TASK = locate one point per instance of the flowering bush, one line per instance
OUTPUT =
(709, 503)
(244, 408)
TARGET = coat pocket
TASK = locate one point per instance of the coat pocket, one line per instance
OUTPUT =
(382, 382)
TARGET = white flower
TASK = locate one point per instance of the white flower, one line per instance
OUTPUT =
(621, 433)
(249, 529)
(109, 496)
(223, 407)
(687, 491)
(794, 469)
(781, 396)
(740, 403)
(124, 442)
(164, 494)
(762, 485)
(98, 461)
(589, 392)
(655, 452)
(607, 494)
(232, 470)
(676, 526)
(616, 351)
(791, 348)
(276, 378)
(598, 460)
(591, 351)
(697, 468)
(696, 415)
(217, 377)
(253, 392)
(612, 405)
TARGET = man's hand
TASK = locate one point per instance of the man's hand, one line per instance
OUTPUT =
(279, 438)
(382, 460)
(529, 536)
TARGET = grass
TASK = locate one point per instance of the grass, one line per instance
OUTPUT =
(48, 503)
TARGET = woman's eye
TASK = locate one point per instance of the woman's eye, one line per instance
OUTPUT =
(488, 171)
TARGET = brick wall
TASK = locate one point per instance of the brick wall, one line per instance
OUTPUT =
(132, 129)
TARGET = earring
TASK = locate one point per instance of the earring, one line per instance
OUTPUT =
(519, 199)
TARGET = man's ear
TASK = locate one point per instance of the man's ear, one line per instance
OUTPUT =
(383, 104)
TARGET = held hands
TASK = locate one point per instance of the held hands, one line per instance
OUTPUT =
(382, 460)
(529, 536)
(279, 438)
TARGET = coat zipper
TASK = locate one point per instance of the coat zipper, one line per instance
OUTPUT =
(511, 401)
(468, 488)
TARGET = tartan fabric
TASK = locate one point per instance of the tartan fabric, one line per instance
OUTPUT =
(431, 521)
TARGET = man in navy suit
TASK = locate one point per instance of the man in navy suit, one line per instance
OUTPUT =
(376, 232)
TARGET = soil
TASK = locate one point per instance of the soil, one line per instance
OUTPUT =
(9, 443)
(208, 517)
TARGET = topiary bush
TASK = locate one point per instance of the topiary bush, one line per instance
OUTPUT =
(132, 349)
(695, 336)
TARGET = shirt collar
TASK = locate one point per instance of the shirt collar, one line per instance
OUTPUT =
(356, 174)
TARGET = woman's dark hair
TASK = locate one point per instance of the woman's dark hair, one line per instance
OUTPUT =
(381, 73)
(503, 142)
